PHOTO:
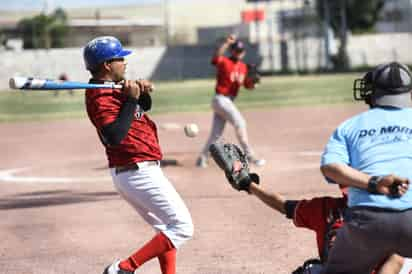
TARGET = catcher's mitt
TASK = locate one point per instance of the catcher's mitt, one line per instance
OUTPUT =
(234, 163)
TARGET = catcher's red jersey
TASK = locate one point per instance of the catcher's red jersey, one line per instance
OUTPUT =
(230, 75)
(320, 215)
(141, 142)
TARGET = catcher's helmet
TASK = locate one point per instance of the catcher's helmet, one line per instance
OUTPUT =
(238, 46)
(102, 49)
(386, 85)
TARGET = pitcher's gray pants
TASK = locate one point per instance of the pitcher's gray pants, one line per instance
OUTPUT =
(225, 110)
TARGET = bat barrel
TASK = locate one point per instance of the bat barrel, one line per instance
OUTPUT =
(25, 83)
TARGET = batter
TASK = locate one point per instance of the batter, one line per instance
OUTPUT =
(132, 148)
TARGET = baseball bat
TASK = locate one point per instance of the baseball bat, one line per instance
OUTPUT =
(44, 84)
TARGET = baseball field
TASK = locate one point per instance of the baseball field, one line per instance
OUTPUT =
(60, 213)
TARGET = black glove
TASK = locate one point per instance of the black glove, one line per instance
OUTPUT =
(145, 101)
(309, 266)
(253, 74)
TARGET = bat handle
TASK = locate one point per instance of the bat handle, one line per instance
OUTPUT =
(151, 87)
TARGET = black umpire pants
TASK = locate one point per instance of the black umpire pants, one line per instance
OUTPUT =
(369, 236)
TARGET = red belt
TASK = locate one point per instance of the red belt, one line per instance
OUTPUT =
(135, 166)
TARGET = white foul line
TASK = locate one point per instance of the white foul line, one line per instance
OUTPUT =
(10, 176)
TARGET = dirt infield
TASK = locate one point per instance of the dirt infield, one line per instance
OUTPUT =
(60, 213)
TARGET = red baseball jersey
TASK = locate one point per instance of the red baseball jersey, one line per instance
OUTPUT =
(141, 142)
(320, 215)
(230, 75)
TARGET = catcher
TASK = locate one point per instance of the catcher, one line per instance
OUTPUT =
(323, 215)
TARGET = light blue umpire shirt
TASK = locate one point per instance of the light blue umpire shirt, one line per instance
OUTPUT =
(377, 142)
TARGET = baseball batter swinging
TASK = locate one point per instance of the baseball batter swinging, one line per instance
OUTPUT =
(132, 148)
(231, 74)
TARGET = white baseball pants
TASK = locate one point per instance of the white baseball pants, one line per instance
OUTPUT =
(156, 200)
(225, 110)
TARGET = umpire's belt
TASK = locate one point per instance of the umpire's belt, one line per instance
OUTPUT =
(135, 166)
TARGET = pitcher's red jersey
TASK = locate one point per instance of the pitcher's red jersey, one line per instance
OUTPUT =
(230, 75)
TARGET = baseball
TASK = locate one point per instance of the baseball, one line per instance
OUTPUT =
(191, 130)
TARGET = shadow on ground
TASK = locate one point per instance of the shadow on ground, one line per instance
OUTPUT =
(54, 198)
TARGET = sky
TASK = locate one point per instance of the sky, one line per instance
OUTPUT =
(15, 5)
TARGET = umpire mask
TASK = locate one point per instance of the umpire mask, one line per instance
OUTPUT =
(386, 85)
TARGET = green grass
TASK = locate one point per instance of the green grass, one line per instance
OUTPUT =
(186, 96)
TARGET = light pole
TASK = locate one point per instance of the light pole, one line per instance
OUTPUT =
(166, 21)
(343, 36)
(257, 23)
(410, 14)
(270, 23)
(326, 26)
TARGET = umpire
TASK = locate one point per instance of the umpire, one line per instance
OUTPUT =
(372, 154)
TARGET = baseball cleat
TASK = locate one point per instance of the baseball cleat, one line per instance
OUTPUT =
(201, 162)
(115, 269)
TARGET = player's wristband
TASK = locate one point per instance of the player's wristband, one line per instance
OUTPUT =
(373, 184)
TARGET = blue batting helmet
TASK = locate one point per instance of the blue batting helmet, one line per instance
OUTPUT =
(102, 49)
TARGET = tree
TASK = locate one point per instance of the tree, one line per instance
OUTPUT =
(355, 15)
(59, 29)
(43, 31)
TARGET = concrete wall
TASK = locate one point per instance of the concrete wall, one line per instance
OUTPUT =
(157, 63)
(160, 63)
(363, 50)
(375, 49)
(50, 63)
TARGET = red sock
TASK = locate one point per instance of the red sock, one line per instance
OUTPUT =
(167, 262)
(159, 245)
